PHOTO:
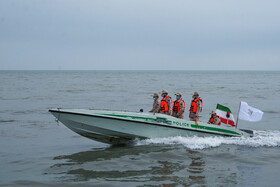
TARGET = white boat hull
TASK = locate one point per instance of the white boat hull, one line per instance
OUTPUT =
(115, 127)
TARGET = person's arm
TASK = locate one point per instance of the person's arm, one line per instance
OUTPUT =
(157, 107)
(170, 105)
(182, 109)
(198, 108)
(217, 121)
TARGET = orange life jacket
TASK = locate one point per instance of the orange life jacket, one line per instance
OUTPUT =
(177, 107)
(211, 120)
(164, 105)
(194, 105)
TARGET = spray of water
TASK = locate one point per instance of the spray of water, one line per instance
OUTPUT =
(261, 138)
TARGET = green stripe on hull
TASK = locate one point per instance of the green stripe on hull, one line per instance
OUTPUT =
(177, 124)
(214, 129)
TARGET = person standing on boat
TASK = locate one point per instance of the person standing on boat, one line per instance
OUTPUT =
(156, 105)
(179, 106)
(214, 119)
(166, 103)
(196, 107)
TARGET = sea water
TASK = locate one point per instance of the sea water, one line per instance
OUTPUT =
(35, 150)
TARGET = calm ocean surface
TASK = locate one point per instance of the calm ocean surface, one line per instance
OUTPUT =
(36, 151)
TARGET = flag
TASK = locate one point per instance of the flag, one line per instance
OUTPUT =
(249, 113)
(225, 115)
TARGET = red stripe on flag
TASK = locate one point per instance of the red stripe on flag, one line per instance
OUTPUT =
(226, 121)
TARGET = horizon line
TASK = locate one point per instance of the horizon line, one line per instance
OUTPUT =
(150, 70)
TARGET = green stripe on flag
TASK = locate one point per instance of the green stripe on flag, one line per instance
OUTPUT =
(223, 108)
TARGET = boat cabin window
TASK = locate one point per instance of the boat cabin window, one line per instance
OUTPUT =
(161, 120)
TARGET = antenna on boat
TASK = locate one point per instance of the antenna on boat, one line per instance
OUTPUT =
(238, 115)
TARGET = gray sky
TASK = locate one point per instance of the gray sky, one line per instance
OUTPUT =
(139, 35)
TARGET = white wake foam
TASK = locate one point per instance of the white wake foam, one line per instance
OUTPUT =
(261, 138)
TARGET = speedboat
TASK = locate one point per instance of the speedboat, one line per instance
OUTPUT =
(115, 127)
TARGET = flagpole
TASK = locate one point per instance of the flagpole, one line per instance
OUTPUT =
(238, 115)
